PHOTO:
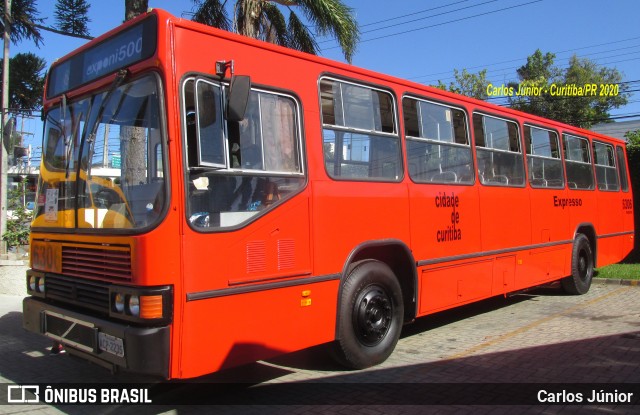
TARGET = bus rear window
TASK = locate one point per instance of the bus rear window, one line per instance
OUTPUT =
(622, 169)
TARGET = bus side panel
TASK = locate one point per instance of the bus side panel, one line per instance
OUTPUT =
(444, 220)
(628, 216)
(348, 214)
(549, 225)
(543, 265)
(627, 224)
(270, 252)
(505, 217)
(610, 221)
(584, 209)
(241, 328)
(443, 287)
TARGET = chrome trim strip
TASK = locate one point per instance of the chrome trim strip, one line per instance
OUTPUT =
(203, 295)
(611, 235)
(490, 253)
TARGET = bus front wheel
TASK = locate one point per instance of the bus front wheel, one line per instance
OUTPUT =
(370, 315)
(579, 281)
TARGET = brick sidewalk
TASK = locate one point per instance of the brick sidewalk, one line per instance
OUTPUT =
(541, 337)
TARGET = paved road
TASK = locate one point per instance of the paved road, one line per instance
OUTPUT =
(543, 338)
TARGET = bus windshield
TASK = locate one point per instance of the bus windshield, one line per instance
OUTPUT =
(103, 160)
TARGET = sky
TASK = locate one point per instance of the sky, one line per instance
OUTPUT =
(424, 41)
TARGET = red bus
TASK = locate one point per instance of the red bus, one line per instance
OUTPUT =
(263, 201)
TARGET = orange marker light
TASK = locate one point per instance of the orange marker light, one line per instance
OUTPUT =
(151, 306)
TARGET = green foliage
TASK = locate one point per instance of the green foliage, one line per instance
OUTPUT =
(27, 81)
(633, 137)
(25, 21)
(469, 84)
(212, 13)
(19, 222)
(582, 111)
(71, 16)
(619, 272)
(132, 8)
(264, 19)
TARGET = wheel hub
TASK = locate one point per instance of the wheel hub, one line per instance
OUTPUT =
(373, 314)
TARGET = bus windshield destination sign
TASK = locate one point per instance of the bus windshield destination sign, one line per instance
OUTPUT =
(126, 48)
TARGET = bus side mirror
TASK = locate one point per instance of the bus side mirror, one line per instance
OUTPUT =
(238, 97)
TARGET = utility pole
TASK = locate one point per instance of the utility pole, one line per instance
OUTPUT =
(4, 165)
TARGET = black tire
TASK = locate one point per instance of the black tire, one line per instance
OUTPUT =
(370, 317)
(579, 281)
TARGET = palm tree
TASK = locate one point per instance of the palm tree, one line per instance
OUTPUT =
(132, 8)
(264, 19)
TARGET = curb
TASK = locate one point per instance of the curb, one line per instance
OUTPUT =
(11, 262)
(615, 281)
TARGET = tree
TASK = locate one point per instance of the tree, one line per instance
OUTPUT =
(132, 139)
(469, 84)
(25, 21)
(633, 138)
(18, 223)
(27, 81)
(133, 8)
(71, 16)
(264, 19)
(572, 106)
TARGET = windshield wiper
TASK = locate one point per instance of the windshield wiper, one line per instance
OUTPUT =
(91, 138)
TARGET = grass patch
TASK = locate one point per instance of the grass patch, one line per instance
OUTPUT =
(619, 271)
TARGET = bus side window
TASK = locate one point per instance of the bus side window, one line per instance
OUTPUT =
(606, 172)
(543, 158)
(500, 160)
(622, 169)
(438, 148)
(360, 137)
(577, 160)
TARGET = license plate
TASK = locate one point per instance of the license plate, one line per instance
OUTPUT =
(111, 344)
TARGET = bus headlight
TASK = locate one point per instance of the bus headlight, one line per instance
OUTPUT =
(36, 283)
(134, 306)
(141, 304)
(118, 302)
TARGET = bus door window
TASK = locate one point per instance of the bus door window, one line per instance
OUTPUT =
(262, 162)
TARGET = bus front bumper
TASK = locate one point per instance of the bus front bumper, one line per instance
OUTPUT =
(143, 350)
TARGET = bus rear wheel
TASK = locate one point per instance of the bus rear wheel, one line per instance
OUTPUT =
(579, 281)
(370, 315)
